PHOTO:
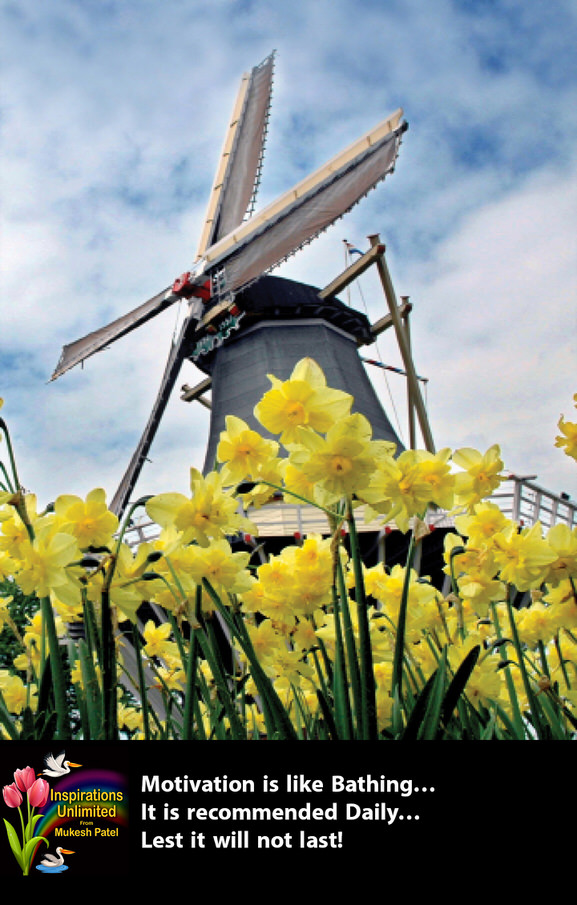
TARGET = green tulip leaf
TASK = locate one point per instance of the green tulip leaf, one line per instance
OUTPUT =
(31, 846)
(14, 843)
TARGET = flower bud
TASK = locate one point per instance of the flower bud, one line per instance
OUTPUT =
(12, 795)
(38, 793)
(24, 778)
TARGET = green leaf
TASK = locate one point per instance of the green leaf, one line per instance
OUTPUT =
(91, 690)
(14, 843)
(31, 847)
(7, 721)
(27, 721)
(429, 728)
(327, 715)
(458, 683)
(419, 710)
(277, 718)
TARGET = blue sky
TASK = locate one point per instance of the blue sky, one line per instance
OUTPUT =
(112, 119)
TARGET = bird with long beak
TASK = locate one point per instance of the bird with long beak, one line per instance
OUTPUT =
(57, 766)
(56, 860)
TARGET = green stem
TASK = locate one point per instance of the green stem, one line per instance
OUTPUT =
(562, 661)
(110, 722)
(367, 674)
(517, 715)
(141, 682)
(276, 717)
(57, 667)
(16, 480)
(340, 684)
(399, 653)
(521, 658)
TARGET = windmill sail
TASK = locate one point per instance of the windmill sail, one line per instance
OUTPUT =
(237, 177)
(78, 351)
(169, 378)
(232, 195)
(300, 215)
(268, 238)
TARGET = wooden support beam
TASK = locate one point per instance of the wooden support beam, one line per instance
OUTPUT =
(387, 321)
(351, 273)
(404, 345)
(195, 393)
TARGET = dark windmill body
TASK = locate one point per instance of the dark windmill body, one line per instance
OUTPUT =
(241, 323)
(284, 321)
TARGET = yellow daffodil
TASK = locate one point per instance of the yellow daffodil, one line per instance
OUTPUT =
(268, 477)
(297, 486)
(157, 640)
(481, 475)
(523, 558)
(563, 660)
(339, 464)
(475, 570)
(16, 693)
(399, 489)
(172, 677)
(126, 591)
(567, 441)
(90, 520)
(435, 470)
(480, 591)
(537, 623)
(563, 540)
(384, 701)
(482, 523)
(290, 666)
(14, 537)
(5, 616)
(225, 571)
(561, 598)
(242, 451)
(304, 400)
(211, 511)
(304, 636)
(387, 588)
(265, 639)
(43, 563)
(129, 718)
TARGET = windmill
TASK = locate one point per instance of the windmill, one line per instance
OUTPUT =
(228, 280)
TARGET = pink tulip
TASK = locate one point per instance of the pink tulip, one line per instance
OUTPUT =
(12, 795)
(38, 793)
(24, 778)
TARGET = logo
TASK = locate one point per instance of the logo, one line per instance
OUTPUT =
(67, 816)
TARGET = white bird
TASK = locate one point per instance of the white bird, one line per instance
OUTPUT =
(53, 861)
(57, 766)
